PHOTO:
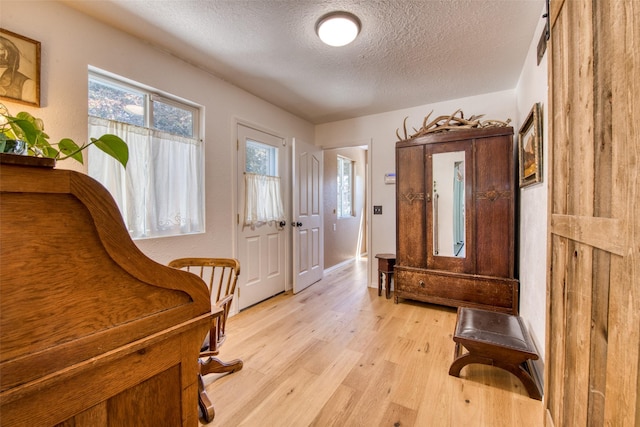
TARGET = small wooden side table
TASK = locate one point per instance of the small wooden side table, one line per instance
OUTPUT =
(385, 267)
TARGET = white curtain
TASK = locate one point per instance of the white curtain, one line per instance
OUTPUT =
(263, 200)
(161, 192)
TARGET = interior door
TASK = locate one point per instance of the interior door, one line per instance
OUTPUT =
(261, 248)
(308, 248)
(592, 366)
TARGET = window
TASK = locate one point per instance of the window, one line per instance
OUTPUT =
(345, 187)
(263, 199)
(261, 158)
(161, 193)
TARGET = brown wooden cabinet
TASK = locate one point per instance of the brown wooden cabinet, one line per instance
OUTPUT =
(455, 231)
(92, 331)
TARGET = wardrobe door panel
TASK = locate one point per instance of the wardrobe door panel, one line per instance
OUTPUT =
(494, 194)
(410, 201)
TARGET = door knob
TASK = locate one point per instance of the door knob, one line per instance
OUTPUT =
(296, 224)
(282, 223)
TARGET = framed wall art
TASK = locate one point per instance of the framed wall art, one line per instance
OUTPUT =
(530, 148)
(19, 68)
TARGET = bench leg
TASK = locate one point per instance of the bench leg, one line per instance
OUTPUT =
(521, 371)
(525, 377)
(462, 360)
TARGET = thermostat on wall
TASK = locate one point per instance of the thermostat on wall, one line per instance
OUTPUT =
(389, 178)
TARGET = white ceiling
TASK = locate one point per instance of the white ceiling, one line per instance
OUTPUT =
(409, 52)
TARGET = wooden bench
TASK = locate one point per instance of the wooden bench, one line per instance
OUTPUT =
(495, 339)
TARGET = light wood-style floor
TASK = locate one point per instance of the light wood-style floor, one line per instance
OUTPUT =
(336, 354)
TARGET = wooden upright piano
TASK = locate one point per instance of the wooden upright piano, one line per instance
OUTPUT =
(92, 332)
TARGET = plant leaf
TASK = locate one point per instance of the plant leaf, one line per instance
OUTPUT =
(24, 129)
(114, 146)
(47, 151)
(69, 148)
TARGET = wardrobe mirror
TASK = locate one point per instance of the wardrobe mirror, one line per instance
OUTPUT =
(448, 200)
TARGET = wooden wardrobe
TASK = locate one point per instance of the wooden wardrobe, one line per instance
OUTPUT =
(455, 229)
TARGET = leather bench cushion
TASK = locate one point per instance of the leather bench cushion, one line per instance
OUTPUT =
(499, 329)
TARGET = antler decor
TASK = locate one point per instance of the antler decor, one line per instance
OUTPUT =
(455, 121)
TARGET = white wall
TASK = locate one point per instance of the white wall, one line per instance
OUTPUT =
(532, 87)
(71, 42)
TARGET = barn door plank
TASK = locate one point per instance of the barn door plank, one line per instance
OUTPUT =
(623, 374)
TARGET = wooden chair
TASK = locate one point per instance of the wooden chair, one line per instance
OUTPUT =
(221, 276)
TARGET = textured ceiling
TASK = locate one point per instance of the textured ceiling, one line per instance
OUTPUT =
(408, 53)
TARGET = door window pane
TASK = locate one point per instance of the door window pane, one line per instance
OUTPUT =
(261, 159)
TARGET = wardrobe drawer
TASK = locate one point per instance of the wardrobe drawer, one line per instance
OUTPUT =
(456, 289)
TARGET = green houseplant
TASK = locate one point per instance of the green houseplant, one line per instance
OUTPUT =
(24, 134)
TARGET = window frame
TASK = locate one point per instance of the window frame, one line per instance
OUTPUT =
(195, 111)
(149, 97)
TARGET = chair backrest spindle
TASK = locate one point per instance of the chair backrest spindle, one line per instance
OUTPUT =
(221, 276)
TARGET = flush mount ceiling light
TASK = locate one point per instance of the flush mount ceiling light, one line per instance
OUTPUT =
(338, 28)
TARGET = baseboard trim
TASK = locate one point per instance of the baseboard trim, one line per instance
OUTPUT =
(339, 265)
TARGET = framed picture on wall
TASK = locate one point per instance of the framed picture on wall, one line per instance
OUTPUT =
(530, 148)
(19, 68)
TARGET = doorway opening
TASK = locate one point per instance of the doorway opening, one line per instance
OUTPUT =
(345, 199)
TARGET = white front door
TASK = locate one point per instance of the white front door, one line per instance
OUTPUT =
(261, 249)
(308, 248)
